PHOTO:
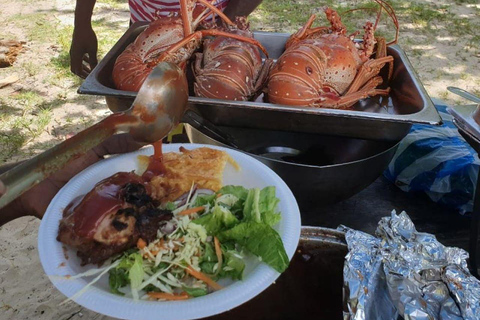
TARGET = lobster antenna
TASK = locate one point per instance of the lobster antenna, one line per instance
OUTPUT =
(197, 35)
(204, 15)
(391, 12)
(378, 18)
(307, 26)
(388, 9)
(217, 11)
(187, 26)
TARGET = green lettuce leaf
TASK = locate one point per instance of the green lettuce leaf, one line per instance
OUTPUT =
(118, 278)
(220, 219)
(260, 206)
(267, 205)
(135, 274)
(204, 200)
(261, 240)
(233, 265)
(208, 259)
(251, 210)
(170, 206)
(195, 292)
(239, 192)
(129, 269)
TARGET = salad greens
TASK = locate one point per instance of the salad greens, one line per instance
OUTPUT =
(208, 239)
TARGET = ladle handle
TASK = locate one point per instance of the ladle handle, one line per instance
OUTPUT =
(205, 126)
(31, 172)
(464, 94)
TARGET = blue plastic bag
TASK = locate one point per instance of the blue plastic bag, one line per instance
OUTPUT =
(438, 161)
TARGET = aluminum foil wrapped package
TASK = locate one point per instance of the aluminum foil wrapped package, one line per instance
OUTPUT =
(401, 272)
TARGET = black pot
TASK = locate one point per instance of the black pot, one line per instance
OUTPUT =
(319, 169)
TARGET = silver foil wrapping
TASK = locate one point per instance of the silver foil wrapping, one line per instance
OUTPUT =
(401, 272)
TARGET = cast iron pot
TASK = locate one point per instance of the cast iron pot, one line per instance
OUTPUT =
(319, 169)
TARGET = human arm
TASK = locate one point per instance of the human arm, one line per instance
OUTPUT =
(35, 201)
(84, 41)
(240, 8)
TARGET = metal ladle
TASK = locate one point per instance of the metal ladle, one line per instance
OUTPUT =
(464, 94)
(158, 107)
(469, 96)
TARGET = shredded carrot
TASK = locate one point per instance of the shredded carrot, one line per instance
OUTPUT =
(219, 195)
(168, 296)
(141, 243)
(158, 247)
(203, 277)
(218, 252)
(191, 211)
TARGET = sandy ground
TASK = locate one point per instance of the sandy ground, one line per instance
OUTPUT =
(25, 292)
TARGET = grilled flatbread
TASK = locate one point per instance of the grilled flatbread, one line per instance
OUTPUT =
(203, 167)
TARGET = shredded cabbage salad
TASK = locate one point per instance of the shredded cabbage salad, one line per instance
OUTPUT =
(206, 240)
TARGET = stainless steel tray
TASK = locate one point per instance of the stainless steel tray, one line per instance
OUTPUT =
(373, 118)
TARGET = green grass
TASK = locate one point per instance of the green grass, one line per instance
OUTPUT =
(114, 4)
(18, 129)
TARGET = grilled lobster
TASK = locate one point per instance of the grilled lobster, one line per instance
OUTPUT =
(171, 39)
(229, 68)
(323, 67)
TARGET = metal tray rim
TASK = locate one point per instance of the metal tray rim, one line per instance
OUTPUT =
(428, 115)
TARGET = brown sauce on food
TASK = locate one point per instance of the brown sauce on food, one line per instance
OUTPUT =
(104, 199)
(155, 166)
(114, 214)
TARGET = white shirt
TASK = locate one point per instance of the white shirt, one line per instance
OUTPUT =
(148, 10)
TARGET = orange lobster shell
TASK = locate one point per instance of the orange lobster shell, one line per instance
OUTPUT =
(323, 67)
(229, 68)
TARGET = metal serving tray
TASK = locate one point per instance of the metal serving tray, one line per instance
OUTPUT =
(374, 118)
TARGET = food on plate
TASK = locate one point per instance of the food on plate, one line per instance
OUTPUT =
(172, 39)
(174, 231)
(206, 240)
(325, 67)
(111, 218)
(202, 166)
(230, 69)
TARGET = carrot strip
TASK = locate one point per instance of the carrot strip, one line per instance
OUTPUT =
(168, 296)
(191, 211)
(141, 243)
(218, 252)
(218, 195)
(203, 277)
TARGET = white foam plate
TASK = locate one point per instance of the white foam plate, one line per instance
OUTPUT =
(257, 277)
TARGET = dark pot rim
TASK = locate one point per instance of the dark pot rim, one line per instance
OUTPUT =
(394, 146)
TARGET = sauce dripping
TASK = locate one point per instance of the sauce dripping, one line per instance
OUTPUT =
(155, 165)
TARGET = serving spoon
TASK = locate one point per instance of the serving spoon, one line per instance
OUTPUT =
(158, 107)
(464, 94)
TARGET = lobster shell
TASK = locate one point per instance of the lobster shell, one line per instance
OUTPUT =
(229, 68)
(314, 67)
(131, 67)
(323, 67)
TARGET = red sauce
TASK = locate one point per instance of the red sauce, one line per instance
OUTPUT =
(155, 166)
(98, 203)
